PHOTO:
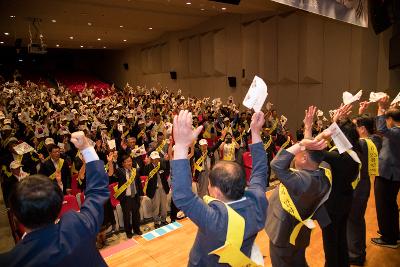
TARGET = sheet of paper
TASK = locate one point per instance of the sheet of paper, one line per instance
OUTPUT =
(111, 144)
(256, 95)
(320, 113)
(338, 137)
(23, 148)
(374, 97)
(120, 127)
(348, 98)
(396, 99)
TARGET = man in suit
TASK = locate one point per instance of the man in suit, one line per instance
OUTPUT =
(204, 160)
(157, 187)
(128, 193)
(387, 184)
(56, 168)
(299, 197)
(36, 203)
(232, 202)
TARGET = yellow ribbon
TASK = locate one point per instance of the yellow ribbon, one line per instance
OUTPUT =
(231, 151)
(240, 137)
(118, 191)
(373, 158)
(125, 133)
(140, 134)
(6, 172)
(230, 252)
(59, 166)
(286, 143)
(39, 147)
(199, 161)
(274, 126)
(357, 180)
(266, 146)
(161, 146)
(151, 174)
(289, 206)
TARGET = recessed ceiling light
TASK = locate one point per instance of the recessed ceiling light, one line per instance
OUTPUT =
(6, 33)
(53, 20)
(104, 47)
(1, 42)
(89, 24)
(12, 16)
(150, 28)
(57, 45)
(71, 37)
(20, 60)
(224, 8)
(98, 39)
(124, 40)
(121, 26)
(81, 46)
(188, 3)
(202, 9)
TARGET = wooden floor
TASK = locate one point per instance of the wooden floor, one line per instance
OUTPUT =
(173, 248)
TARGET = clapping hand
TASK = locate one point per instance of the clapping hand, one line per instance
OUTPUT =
(342, 112)
(79, 140)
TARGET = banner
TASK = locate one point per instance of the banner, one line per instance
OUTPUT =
(350, 11)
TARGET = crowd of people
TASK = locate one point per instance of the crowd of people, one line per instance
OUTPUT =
(134, 133)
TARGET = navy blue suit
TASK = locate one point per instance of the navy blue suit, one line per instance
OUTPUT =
(72, 241)
(212, 219)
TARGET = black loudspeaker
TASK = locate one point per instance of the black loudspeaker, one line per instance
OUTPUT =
(380, 14)
(126, 66)
(173, 75)
(231, 2)
(232, 81)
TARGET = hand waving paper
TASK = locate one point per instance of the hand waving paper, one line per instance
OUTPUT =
(348, 98)
(320, 113)
(256, 95)
(396, 99)
(374, 97)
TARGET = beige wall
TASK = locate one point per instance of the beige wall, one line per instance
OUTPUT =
(304, 59)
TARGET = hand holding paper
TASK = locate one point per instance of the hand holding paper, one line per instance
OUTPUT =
(374, 97)
(256, 95)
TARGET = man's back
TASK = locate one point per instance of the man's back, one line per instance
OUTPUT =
(72, 241)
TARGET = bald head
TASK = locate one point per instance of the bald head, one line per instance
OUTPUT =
(229, 178)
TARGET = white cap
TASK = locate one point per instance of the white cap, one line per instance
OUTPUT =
(15, 164)
(154, 155)
(7, 121)
(49, 141)
(226, 119)
(203, 142)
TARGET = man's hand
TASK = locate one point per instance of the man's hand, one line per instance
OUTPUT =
(363, 107)
(309, 117)
(313, 144)
(342, 112)
(256, 125)
(184, 136)
(110, 157)
(79, 140)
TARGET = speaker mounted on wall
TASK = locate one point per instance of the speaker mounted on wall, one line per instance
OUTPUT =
(232, 81)
(231, 2)
(173, 75)
(126, 66)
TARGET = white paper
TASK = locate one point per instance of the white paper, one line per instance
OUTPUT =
(338, 137)
(283, 120)
(374, 97)
(256, 95)
(320, 113)
(348, 98)
(120, 127)
(332, 113)
(396, 99)
(111, 144)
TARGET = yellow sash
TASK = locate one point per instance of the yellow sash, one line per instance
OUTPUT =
(151, 174)
(207, 131)
(373, 160)
(140, 134)
(289, 206)
(59, 167)
(230, 252)
(6, 172)
(357, 180)
(266, 146)
(199, 161)
(110, 132)
(125, 133)
(240, 137)
(286, 143)
(274, 126)
(231, 152)
(39, 147)
(118, 191)
(161, 146)
(33, 157)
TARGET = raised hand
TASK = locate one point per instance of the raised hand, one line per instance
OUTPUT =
(184, 136)
(314, 144)
(363, 107)
(309, 116)
(256, 125)
(342, 112)
(79, 140)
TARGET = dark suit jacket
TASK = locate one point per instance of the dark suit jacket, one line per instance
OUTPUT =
(47, 169)
(307, 189)
(152, 184)
(212, 219)
(72, 241)
(121, 178)
(389, 156)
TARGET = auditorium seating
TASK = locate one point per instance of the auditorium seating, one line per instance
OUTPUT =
(247, 162)
(69, 203)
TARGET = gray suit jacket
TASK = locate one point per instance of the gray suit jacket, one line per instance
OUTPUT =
(389, 156)
(212, 219)
(307, 189)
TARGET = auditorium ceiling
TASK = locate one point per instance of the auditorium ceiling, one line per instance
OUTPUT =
(111, 24)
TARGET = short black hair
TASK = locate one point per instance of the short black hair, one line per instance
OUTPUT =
(160, 134)
(316, 156)
(366, 121)
(36, 201)
(230, 178)
(393, 113)
(350, 131)
(50, 147)
(124, 157)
